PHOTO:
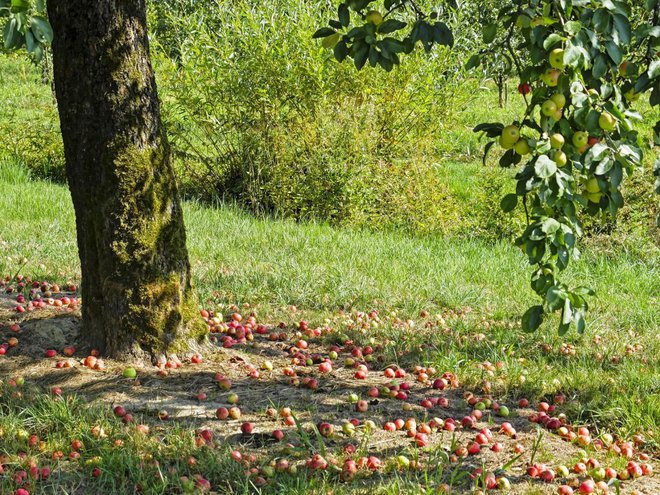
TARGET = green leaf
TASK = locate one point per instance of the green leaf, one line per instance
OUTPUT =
(622, 28)
(555, 297)
(509, 202)
(360, 54)
(545, 167)
(489, 33)
(552, 40)
(601, 20)
(600, 66)
(324, 32)
(550, 226)
(580, 324)
(572, 27)
(532, 319)
(473, 62)
(11, 34)
(614, 51)
(41, 29)
(341, 51)
(573, 55)
(30, 42)
(598, 151)
(344, 15)
(654, 69)
(391, 25)
(442, 35)
(20, 5)
(487, 148)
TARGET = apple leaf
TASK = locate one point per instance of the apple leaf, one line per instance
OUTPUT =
(391, 25)
(489, 32)
(532, 319)
(324, 32)
(545, 167)
(552, 40)
(473, 62)
(509, 202)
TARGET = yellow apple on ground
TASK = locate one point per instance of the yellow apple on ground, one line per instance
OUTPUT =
(522, 147)
(557, 141)
(548, 108)
(607, 122)
(556, 58)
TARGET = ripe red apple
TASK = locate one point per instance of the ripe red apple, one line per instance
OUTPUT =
(587, 486)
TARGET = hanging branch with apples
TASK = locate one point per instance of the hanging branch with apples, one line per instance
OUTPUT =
(582, 66)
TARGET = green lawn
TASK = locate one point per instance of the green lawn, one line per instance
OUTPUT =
(271, 264)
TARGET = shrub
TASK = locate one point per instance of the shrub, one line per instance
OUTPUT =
(260, 114)
(29, 124)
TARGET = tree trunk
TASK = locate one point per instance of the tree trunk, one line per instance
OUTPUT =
(136, 285)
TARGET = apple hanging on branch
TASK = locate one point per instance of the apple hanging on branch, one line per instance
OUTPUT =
(581, 67)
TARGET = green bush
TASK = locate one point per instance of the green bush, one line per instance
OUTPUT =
(29, 124)
(261, 115)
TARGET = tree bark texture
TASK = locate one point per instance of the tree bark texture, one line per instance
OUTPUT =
(136, 283)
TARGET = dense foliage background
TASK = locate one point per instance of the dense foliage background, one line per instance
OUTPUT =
(261, 115)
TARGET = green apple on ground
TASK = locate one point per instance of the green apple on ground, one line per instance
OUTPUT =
(557, 141)
(556, 58)
(548, 108)
(522, 147)
(129, 372)
(607, 122)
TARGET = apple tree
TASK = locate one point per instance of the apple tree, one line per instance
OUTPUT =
(136, 281)
(582, 65)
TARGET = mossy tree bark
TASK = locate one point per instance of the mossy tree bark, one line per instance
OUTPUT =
(136, 283)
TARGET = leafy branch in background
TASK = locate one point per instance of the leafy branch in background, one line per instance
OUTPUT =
(26, 25)
(582, 65)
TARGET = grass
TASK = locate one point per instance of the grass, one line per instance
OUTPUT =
(272, 264)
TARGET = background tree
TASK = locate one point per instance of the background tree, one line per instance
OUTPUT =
(136, 283)
(582, 65)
